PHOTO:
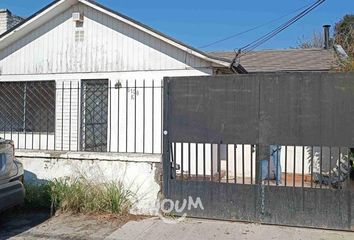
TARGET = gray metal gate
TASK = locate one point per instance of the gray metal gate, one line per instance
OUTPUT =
(94, 115)
(269, 148)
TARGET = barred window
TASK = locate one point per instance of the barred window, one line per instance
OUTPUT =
(27, 106)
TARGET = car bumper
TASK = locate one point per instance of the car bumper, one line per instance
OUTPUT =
(11, 194)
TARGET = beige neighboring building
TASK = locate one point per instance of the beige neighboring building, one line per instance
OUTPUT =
(287, 60)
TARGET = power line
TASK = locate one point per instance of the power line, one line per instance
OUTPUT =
(254, 28)
(281, 28)
(256, 43)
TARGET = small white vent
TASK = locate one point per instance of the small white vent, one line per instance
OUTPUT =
(78, 17)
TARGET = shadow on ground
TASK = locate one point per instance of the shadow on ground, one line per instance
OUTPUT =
(15, 222)
(20, 219)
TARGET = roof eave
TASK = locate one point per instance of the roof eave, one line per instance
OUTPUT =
(32, 22)
(58, 6)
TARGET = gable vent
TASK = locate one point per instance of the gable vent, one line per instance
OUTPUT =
(79, 36)
(78, 17)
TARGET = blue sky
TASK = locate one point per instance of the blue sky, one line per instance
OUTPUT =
(198, 22)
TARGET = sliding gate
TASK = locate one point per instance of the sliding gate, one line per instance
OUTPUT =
(273, 148)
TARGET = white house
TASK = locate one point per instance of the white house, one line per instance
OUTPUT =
(78, 77)
(81, 44)
(79, 81)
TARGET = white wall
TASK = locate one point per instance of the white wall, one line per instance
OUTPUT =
(138, 173)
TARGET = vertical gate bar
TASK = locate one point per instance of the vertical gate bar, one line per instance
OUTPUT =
(171, 161)
(204, 161)
(321, 167)
(330, 162)
(118, 115)
(196, 160)
(303, 167)
(258, 165)
(78, 116)
(46, 147)
(268, 182)
(48, 127)
(175, 159)
(227, 163)
(32, 139)
(219, 162)
(161, 110)
(126, 115)
(70, 115)
(294, 167)
(211, 163)
(11, 127)
(166, 142)
(348, 162)
(312, 153)
(182, 160)
(243, 164)
(348, 153)
(135, 116)
(25, 138)
(110, 115)
(276, 166)
(40, 132)
(339, 161)
(251, 164)
(32, 132)
(4, 131)
(153, 117)
(62, 116)
(189, 161)
(286, 165)
(235, 163)
(24, 114)
(12, 120)
(18, 138)
(144, 116)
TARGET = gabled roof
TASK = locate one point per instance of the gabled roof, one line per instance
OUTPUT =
(286, 60)
(58, 6)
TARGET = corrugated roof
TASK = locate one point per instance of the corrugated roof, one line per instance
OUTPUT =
(285, 60)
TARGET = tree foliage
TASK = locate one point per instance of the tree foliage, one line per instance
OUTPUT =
(316, 41)
(344, 34)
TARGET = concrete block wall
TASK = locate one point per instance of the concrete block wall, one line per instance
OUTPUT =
(139, 173)
(8, 20)
(3, 20)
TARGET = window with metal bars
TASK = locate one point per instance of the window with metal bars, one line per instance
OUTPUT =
(94, 115)
(27, 106)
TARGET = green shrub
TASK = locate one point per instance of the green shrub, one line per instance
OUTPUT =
(38, 196)
(347, 65)
(80, 195)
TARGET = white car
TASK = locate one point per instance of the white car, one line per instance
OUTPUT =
(12, 192)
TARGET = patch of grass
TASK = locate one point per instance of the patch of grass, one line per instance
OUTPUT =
(38, 196)
(347, 65)
(80, 195)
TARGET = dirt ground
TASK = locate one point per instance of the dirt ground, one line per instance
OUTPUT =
(39, 225)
